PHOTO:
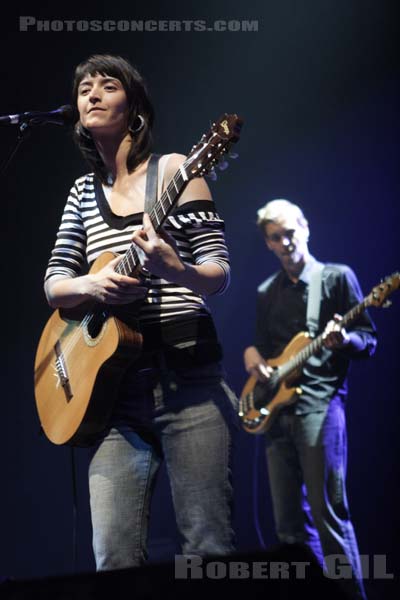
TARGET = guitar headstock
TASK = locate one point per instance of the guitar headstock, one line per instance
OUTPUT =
(212, 145)
(380, 292)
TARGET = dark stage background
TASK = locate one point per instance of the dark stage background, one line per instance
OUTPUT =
(318, 88)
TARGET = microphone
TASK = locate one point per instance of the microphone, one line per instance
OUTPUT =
(61, 116)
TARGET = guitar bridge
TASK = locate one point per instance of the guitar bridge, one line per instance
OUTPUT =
(61, 371)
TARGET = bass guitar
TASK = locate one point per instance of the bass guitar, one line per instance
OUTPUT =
(84, 352)
(260, 402)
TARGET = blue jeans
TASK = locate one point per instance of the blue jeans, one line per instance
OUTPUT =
(306, 457)
(186, 418)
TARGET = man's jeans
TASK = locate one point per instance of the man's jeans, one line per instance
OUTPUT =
(187, 418)
(307, 456)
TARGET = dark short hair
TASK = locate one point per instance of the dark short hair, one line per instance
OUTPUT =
(138, 103)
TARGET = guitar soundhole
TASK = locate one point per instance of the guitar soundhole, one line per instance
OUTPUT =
(95, 326)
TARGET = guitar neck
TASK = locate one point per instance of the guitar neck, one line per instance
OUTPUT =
(315, 346)
(158, 215)
(201, 159)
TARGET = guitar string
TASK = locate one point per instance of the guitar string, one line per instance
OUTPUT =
(310, 349)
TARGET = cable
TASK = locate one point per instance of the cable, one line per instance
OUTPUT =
(260, 440)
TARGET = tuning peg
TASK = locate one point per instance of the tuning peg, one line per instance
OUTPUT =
(212, 175)
(387, 303)
(223, 164)
(233, 155)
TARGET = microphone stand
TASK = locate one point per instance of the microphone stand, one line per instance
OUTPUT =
(24, 132)
(25, 129)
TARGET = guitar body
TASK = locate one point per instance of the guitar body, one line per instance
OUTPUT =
(258, 415)
(81, 358)
(77, 373)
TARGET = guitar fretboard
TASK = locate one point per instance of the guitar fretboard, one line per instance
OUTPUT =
(158, 215)
(301, 357)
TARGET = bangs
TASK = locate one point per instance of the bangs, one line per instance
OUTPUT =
(139, 104)
(106, 66)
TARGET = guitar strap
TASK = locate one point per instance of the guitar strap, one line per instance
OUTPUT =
(151, 183)
(150, 197)
(314, 298)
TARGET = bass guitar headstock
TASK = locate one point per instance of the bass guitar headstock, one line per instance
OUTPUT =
(380, 293)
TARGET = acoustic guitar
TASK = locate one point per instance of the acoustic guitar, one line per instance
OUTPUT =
(260, 402)
(84, 352)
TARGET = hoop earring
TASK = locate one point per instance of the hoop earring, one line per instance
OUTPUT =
(142, 122)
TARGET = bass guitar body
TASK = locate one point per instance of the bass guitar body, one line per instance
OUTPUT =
(260, 402)
(79, 363)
